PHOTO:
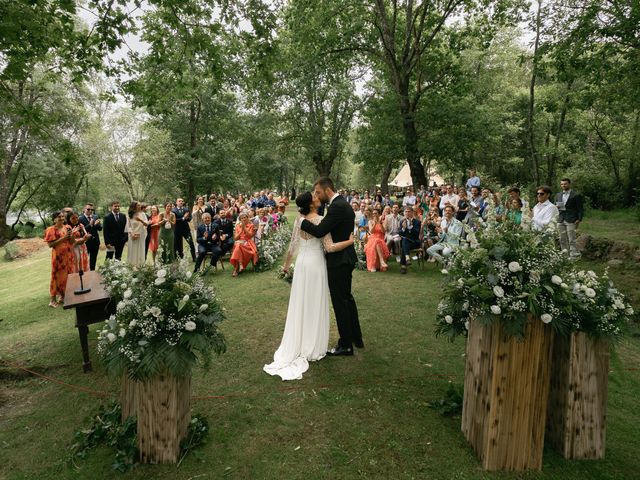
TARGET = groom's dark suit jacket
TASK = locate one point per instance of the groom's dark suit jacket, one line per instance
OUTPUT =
(338, 221)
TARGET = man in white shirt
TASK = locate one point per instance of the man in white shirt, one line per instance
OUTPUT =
(545, 213)
(449, 198)
(392, 228)
(356, 209)
(409, 199)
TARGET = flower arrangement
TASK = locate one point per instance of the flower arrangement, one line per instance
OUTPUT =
(166, 320)
(287, 276)
(514, 274)
(362, 259)
(271, 247)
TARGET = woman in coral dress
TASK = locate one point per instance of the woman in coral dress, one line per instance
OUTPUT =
(61, 241)
(244, 248)
(79, 250)
(376, 249)
(154, 229)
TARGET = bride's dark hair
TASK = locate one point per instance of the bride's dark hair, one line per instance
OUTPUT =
(303, 201)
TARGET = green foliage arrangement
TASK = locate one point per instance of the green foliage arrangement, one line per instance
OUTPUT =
(271, 247)
(166, 320)
(514, 275)
(11, 251)
(451, 404)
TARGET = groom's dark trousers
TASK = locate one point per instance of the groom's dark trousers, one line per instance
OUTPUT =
(339, 223)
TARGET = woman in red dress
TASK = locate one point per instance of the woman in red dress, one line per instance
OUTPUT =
(79, 250)
(61, 241)
(154, 225)
(244, 248)
(376, 249)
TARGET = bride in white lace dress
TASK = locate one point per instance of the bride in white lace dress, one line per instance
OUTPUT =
(306, 331)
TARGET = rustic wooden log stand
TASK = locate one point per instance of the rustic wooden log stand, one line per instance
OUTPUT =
(577, 414)
(506, 390)
(162, 407)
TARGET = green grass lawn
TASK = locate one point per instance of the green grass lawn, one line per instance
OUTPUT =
(619, 225)
(359, 417)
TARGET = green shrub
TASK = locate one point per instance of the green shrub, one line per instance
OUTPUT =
(11, 251)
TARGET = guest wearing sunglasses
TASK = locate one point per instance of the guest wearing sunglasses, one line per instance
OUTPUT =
(545, 213)
(92, 225)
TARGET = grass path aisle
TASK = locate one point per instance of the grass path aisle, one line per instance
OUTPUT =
(359, 417)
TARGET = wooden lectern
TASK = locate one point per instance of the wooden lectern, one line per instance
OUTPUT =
(92, 307)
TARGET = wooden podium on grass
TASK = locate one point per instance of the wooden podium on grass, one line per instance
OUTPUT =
(91, 307)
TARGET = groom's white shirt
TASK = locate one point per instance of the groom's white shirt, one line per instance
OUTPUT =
(335, 195)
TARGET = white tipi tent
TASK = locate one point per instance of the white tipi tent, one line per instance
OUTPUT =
(403, 178)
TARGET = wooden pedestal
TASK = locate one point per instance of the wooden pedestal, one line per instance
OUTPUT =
(577, 414)
(506, 390)
(128, 397)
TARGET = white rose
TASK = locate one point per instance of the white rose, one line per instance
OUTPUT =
(514, 267)
(495, 309)
(127, 294)
(122, 332)
(629, 311)
(159, 281)
(555, 279)
(564, 285)
(498, 291)
(189, 273)
(466, 324)
(123, 285)
(185, 298)
(161, 273)
(444, 271)
(465, 306)
(590, 292)
(111, 337)
(132, 323)
(190, 326)
(203, 307)
(448, 319)
(121, 304)
(592, 274)
(461, 282)
(545, 317)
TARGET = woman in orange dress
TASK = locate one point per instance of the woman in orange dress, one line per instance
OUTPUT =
(244, 248)
(61, 241)
(376, 249)
(154, 226)
(79, 250)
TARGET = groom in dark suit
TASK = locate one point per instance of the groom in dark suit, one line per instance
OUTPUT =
(114, 234)
(339, 222)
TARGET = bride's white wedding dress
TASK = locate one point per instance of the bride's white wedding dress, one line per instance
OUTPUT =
(306, 331)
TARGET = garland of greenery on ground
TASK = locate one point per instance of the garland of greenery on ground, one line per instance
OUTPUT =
(107, 429)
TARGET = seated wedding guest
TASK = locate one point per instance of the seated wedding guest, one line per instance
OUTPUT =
(79, 250)
(449, 198)
(449, 239)
(379, 198)
(363, 225)
(270, 201)
(376, 250)
(476, 202)
(113, 226)
(137, 229)
(358, 216)
(226, 231)
(545, 213)
(410, 233)
(208, 238)
(472, 181)
(514, 212)
(154, 231)
(244, 249)
(385, 211)
(92, 225)
(463, 206)
(417, 213)
(167, 223)
(429, 230)
(386, 201)
(61, 241)
(392, 231)
(569, 204)
(514, 194)
(182, 230)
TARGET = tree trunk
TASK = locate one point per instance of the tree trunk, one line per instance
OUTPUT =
(532, 87)
(633, 178)
(386, 173)
(552, 163)
(411, 137)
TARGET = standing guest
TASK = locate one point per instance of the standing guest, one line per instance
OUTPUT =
(514, 212)
(409, 199)
(208, 238)
(137, 229)
(349, 198)
(545, 213)
(376, 250)
(450, 232)
(196, 213)
(386, 201)
(182, 230)
(244, 249)
(167, 222)
(379, 198)
(514, 194)
(569, 204)
(410, 233)
(80, 253)
(449, 198)
(61, 241)
(476, 202)
(92, 225)
(154, 231)
(392, 229)
(212, 206)
(472, 181)
(463, 205)
(115, 237)
(226, 231)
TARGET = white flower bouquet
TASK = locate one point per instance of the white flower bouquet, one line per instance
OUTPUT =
(287, 276)
(166, 320)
